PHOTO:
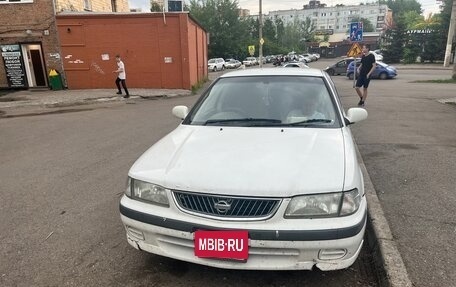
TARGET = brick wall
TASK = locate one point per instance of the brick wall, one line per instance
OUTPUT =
(158, 52)
(37, 17)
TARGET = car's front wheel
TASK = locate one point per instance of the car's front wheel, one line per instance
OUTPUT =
(350, 76)
(330, 72)
(383, 76)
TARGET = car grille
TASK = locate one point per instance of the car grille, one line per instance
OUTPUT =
(226, 207)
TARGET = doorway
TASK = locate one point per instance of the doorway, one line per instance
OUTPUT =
(34, 65)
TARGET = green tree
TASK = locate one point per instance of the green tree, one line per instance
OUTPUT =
(401, 6)
(155, 7)
(396, 38)
(220, 18)
(412, 18)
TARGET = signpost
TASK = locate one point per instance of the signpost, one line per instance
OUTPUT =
(354, 51)
(356, 35)
(251, 50)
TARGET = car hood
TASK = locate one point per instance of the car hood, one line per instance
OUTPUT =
(241, 161)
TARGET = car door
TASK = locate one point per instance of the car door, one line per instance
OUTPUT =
(341, 67)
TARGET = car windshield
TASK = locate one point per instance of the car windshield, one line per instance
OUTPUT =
(296, 101)
(211, 61)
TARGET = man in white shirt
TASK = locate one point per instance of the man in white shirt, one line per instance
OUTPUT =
(121, 76)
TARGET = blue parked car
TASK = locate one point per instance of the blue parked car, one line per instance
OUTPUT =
(382, 71)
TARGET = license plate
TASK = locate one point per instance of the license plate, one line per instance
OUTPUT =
(222, 244)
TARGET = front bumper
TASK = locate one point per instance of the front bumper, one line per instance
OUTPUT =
(269, 249)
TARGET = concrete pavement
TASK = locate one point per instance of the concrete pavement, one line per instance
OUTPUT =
(45, 98)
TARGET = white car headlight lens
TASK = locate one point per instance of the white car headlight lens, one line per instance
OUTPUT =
(128, 188)
(316, 205)
(149, 192)
(324, 205)
(350, 202)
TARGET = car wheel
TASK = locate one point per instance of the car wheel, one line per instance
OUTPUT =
(350, 76)
(215, 69)
(330, 72)
(383, 76)
(223, 68)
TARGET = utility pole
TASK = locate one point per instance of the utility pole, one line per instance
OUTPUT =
(451, 29)
(260, 19)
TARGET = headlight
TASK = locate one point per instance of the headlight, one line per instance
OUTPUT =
(149, 192)
(350, 202)
(324, 205)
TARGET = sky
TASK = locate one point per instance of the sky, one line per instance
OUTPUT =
(273, 5)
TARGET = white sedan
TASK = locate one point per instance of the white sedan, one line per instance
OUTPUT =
(261, 174)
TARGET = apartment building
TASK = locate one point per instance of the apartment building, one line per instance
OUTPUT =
(335, 21)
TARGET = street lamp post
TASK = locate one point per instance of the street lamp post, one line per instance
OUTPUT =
(260, 29)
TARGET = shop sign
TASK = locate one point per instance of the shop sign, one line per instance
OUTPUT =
(14, 66)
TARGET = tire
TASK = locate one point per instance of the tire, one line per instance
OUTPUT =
(350, 76)
(215, 69)
(330, 72)
(383, 76)
(223, 68)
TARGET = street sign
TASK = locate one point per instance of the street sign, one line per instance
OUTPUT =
(251, 50)
(356, 31)
(261, 41)
(355, 50)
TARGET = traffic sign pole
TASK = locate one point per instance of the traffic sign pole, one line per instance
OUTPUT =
(354, 74)
(260, 52)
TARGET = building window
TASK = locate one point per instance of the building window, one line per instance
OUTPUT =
(337, 27)
(315, 14)
(322, 27)
(15, 1)
(114, 5)
(87, 5)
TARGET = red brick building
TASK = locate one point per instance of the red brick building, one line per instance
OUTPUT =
(28, 42)
(159, 50)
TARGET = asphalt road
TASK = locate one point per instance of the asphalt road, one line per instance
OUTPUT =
(61, 179)
(408, 144)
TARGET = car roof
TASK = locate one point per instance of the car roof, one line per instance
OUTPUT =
(274, 72)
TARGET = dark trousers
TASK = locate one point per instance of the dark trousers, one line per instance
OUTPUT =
(123, 85)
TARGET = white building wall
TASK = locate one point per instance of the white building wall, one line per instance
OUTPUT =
(336, 18)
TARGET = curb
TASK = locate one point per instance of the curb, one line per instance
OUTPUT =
(390, 267)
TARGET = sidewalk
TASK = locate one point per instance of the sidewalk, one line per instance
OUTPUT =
(65, 98)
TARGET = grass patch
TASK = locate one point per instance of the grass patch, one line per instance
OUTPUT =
(442, 81)
(199, 85)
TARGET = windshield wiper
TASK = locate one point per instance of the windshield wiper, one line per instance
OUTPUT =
(309, 121)
(255, 121)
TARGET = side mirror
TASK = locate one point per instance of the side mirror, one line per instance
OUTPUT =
(355, 115)
(180, 112)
